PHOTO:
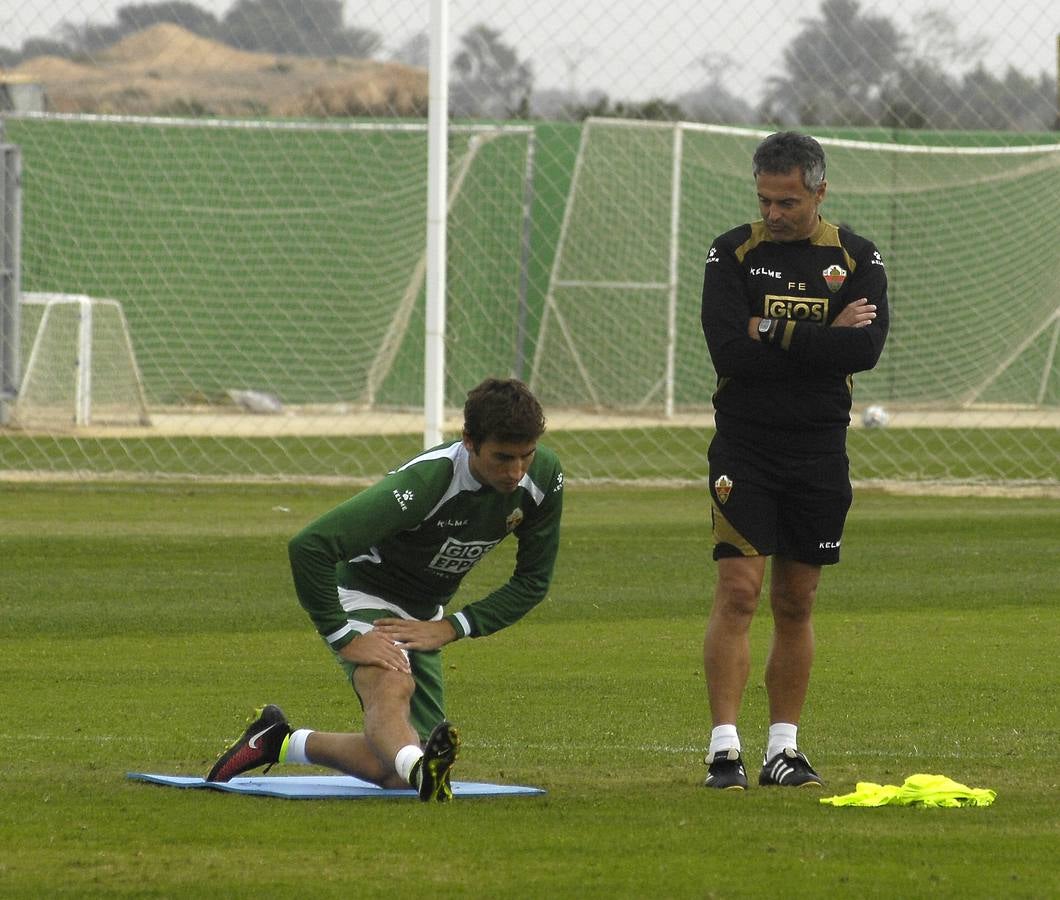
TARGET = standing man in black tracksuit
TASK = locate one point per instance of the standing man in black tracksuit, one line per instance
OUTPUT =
(792, 306)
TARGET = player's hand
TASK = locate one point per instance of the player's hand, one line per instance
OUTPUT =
(374, 649)
(856, 315)
(414, 634)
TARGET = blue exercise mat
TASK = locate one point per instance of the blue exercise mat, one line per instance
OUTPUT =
(313, 787)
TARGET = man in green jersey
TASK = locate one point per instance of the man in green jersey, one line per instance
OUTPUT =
(375, 573)
(792, 307)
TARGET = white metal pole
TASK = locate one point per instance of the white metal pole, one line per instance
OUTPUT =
(83, 413)
(671, 306)
(437, 177)
(10, 274)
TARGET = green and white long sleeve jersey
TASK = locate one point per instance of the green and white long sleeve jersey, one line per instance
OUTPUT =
(411, 538)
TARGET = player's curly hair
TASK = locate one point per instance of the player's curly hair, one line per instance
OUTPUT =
(779, 153)
(502, 409)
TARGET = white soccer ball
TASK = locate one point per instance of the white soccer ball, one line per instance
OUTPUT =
(875, 417)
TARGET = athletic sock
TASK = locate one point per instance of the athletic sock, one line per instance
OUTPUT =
(293, 749)
(723, 737)
(406, 760)
(781, 736)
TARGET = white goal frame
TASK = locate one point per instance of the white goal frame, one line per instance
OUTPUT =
(551, 308)
(10, 272)
(552, 312)
(85, 349)
(458, 146)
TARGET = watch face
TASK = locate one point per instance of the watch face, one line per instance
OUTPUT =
(764, 325)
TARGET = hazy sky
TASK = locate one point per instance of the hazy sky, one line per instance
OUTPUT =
(631, 49)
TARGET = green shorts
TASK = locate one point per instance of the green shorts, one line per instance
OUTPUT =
(427, 707)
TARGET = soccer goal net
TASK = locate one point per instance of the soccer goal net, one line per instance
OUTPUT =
(80, 366)
(969, 236)
(281, 257)
(271, 275)
(969, 383)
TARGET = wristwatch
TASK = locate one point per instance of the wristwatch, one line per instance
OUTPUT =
(765, 329)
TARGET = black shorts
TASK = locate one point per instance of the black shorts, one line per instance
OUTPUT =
(766, 502)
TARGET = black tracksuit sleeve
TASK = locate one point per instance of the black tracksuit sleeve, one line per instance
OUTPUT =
(845, 350)
(724, 315)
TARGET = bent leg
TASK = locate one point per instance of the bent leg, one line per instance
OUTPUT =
(386, 696)
(793, 588)
(726, 645)
(348, 753)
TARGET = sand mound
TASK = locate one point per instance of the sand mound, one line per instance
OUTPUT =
(46, 69)
(375, 91)
(168, 46)
(167, 70)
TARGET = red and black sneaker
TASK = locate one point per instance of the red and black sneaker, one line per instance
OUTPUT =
(259, 745)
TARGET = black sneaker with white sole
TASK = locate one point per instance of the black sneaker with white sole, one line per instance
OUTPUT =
(726, 772)
(430, 776)
(789, 768)
(259, 745)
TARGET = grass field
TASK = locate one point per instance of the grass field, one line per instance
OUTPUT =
(142, 624)
(1030, 455)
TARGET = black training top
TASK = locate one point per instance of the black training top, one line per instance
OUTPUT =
(793, 391)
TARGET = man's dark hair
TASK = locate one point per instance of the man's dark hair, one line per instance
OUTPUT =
(504, 410)
(784, 151)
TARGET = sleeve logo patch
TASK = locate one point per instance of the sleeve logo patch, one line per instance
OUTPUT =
(403, 498)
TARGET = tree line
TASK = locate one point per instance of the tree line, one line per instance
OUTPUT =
(846, 66)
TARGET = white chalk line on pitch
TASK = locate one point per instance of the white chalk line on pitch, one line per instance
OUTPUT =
(499, 745)
(552, 749)
(669, 749)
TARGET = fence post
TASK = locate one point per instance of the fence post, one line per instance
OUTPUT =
(10, 267)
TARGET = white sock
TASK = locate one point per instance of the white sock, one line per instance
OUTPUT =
(723, 737)
(295, 752)
(781, 736)
(406, 758)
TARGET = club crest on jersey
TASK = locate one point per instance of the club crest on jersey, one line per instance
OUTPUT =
(834, 276)
(514, 520)
(723, 487)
